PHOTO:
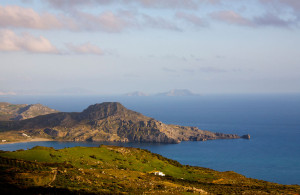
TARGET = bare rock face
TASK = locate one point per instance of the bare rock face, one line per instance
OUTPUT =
(109, 121)
(51, 132)
(101, 111)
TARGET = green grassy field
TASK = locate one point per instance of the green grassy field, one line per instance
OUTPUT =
(111, 169)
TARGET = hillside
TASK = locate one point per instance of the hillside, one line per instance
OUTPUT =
(108, 121)
(22, 111)
(118, 170)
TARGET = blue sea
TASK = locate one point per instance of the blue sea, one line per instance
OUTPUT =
(273, 121)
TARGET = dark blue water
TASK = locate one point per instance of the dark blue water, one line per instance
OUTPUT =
(272, 154)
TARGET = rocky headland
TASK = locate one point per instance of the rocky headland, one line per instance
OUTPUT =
(109, 121)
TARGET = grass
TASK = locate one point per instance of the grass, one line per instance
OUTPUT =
(105, 158)
(111, 169)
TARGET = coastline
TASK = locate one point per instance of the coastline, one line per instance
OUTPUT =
(24, 141)
(186, 146)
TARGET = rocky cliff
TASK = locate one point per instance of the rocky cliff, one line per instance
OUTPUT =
(108, 121)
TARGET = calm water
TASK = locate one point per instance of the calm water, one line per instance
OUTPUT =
(273, 153)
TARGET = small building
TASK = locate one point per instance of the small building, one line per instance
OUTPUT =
(25, 135)
(3, 140)
(159, 173)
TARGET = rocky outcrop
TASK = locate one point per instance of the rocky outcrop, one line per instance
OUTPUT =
(109, 121)
(51, 132)
(247, 136)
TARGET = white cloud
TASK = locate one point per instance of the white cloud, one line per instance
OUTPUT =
(231, 17)
(106, 21)
(272, 20)
(120, 21)
(158, 23)
(191, 18)
(179, 4)
(15, 16)
(268, 19)
(278, 13)
(9, 41)
(293, 4)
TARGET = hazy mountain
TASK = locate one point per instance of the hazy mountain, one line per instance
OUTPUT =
(137, 94)
(108, 121)
(177, 92)
(173, 92)
(7, 93)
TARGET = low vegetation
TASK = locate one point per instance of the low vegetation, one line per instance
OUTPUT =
(118, 170)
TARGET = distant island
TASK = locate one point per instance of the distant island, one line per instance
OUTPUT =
(137, 94)
(109, 121)
(178, 92)
(173, 92)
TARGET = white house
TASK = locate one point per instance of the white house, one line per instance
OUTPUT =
(159, 173)
(25, 135)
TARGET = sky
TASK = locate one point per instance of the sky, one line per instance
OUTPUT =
(120, 46)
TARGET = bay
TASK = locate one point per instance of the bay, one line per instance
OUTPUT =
(272, 153)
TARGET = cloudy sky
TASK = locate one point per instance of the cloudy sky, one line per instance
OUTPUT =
(119, 46)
